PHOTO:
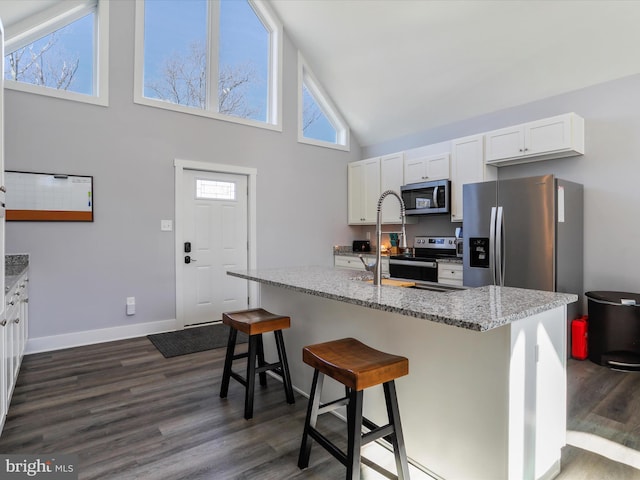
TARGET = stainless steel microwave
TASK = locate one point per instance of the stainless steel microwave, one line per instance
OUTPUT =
(427, 198)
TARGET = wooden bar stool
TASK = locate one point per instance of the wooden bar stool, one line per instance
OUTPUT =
(254, 323)
(357, 367)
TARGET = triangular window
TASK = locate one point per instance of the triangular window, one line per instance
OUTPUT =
(319, 121)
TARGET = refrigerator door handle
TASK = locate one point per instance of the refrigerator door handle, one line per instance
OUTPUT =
(492, 245)
(500, 252)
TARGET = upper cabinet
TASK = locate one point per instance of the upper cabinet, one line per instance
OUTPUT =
(367, 179)
(422, 169)
(467, 166)
(391, 178)
(555, 137)
(364, 191)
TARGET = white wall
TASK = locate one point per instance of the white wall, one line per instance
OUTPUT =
(609, 171)
(82, 272)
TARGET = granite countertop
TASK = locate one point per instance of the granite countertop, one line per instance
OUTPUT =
(479, 309)
(351, 253)
(14, 267)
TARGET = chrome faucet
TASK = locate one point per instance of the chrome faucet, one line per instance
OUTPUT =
(377, 270)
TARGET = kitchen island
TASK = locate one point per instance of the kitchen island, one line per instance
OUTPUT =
(485, 397)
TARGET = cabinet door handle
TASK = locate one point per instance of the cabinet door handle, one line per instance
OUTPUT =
(4, 322)
(17, 320)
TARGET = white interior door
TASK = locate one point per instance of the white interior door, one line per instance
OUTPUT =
(215, 239)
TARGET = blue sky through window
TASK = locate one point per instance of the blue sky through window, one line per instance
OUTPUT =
(72, 42)
(173, 28)
(244, 44)
(316, 124)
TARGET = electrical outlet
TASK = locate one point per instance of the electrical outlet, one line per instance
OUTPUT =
(131, 305)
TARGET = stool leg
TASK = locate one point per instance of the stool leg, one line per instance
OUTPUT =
(311, 419)
(398, 438)
(261, 362)
(284, 365)
(354, 426)
(228, 361)
(251, 376)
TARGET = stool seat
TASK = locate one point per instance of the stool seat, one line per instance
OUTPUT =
(255, 321)
(354, 364)
(357, 366)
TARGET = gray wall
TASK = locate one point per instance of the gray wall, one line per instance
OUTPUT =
(82, 272)
(609, 171)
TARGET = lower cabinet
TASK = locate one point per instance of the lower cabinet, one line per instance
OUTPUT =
(450, 274)
(354, 263)
(13, 339)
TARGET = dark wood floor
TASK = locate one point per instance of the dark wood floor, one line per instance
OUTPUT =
(129, 413)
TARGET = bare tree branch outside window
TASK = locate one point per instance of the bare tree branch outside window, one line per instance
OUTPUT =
(311, 111)
(183, 80)
(47, 66)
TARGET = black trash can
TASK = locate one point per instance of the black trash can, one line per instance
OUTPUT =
(614, 329)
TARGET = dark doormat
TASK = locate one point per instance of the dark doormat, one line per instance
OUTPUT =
(192, 340)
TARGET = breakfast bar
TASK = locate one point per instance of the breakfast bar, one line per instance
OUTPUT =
(485, 397)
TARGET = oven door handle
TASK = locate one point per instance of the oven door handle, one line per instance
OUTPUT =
(413, 264)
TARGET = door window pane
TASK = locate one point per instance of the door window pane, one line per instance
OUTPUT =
(215, 190)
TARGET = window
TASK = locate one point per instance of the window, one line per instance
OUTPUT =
(61, 52)
(215, 190)
(319, 122)
(217, 58)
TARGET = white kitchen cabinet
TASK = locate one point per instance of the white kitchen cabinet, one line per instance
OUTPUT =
(2, 188)
(433, 167)
(13, 338)
(467, 166)
(363, 191)
(367, 179)
(353, 262)
(450, 274)
(391, 178)
(554, 137)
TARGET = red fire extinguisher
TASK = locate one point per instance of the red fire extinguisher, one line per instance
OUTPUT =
(579, 338)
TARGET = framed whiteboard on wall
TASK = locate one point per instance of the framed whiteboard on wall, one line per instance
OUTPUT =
(48, 197)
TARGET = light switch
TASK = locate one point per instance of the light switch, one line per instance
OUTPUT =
(166, 225)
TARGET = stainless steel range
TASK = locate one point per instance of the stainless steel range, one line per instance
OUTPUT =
(423, 265)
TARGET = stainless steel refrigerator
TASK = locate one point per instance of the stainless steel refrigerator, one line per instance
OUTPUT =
(525, 232)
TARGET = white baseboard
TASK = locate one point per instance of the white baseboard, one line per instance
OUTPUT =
(90, 337)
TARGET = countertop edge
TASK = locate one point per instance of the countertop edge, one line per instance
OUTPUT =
(461, 299)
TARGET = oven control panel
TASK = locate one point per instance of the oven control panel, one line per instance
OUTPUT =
(435, 242)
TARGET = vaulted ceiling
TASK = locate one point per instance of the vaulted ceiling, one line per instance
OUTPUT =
(396, 67)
